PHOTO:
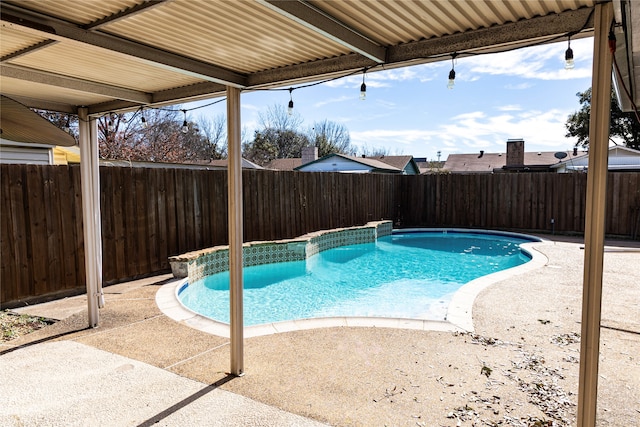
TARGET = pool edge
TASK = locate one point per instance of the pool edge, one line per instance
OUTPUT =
(459, 313)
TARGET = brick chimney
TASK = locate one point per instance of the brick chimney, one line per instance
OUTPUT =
(309, 154)
(515, 152)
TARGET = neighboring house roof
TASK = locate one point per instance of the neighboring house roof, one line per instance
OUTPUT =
(489, 162)
(285, 164)
(20, 124)
(343, 163)
(620, 158)
(434, 166)
(405, 163)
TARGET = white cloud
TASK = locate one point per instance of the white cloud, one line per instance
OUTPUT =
(544, 62)
(512, 107)
(377, 77)
(474, 131)
(332, 101)
(519, 86)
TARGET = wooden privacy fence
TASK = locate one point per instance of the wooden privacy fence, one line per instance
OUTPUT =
(149, 214)
(540, 202)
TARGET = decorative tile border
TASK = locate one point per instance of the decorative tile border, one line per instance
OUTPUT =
(200, 264)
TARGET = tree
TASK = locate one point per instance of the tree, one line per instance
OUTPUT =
(330, 137)
(374, 152)
(624, 126)
(66, 122)
(161, 138)
(270, 144)
(214, 132)
(279, 137)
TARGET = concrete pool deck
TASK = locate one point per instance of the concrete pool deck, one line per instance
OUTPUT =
(458, 315)
(141, 367)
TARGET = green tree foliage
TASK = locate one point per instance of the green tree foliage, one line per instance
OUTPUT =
(269, 144)
(278, 138)
(622, 126)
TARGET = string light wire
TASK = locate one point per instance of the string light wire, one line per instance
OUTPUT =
(363, 70)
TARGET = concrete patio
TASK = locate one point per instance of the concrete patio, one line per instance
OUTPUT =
(142, 368)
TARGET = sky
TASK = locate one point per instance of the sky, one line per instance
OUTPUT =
(526, 93)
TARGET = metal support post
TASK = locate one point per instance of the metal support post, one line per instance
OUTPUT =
(234, 172)
(595, 217)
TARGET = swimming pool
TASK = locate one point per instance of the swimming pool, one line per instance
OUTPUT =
(404, 275)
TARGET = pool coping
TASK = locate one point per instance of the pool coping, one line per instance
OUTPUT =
(459, 312)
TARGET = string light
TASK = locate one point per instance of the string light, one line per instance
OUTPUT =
(568, 57)
(185, 125)
(67, 127)
(143, 121)
(452, 73)
(110, 126)
(450, 85)
(290, 107)
(363, 87)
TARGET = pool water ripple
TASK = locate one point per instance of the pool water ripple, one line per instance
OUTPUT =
(405, 275)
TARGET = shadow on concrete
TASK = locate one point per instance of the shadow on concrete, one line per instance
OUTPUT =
(41, 340)
(186, 401)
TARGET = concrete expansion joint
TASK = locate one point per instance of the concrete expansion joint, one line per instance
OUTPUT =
(180, 362)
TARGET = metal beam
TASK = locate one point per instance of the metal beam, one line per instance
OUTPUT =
(45, 105)
(308, 16)
(27, 50)
(56, 29)
(498, 38)
(58, 80)
(234, 173)
(134, 10)
(595, 217)
(493, 39)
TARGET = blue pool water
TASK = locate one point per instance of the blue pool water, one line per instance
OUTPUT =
(405, 275)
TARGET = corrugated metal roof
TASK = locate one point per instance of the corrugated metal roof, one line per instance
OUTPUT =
(114, 68)
(14, 41)
(211, 35)
(122, 54)
(78, 11)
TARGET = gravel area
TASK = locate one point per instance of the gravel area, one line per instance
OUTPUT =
(15, 325)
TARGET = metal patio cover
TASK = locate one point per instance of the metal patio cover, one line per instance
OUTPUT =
(119, 55)
(98, 56)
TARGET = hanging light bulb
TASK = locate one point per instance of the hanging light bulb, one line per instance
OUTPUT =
(110, 126)
(185, 125)
(290, 107)
(568, 57)
(363, 87)
(143, 119)
(452, 73)
(66, 126)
